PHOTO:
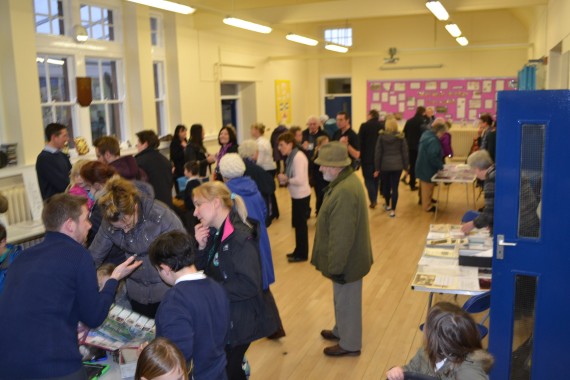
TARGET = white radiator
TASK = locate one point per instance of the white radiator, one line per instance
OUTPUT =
(18, 209)
(461, 142)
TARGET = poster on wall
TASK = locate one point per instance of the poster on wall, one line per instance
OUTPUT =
(283, 101)
(460, 100)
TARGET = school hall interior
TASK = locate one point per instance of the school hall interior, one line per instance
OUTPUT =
(153, 69)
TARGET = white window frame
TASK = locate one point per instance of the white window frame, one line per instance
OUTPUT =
(339, 36)
(53, 104)
(51, 16)
(90, 25)
(159, 32)
(158, 69)
(99, 99)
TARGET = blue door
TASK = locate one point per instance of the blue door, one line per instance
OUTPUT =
(530, 312)
(229, 112)
(336, 104)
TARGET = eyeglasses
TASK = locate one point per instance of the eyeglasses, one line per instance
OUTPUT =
(125, 224)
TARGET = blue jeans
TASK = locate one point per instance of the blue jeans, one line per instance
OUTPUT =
(370, 182)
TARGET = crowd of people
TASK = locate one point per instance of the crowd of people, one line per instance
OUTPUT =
(200, 262)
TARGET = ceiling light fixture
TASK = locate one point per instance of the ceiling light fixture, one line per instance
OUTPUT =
(453, 29)
(438, 10)
(463, 41)
(239, 23)
(166, 5)
(301, 39)
(80, 33)
(337, 48)
(53, 61)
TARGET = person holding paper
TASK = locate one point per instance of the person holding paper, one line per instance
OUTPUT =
(48, 291)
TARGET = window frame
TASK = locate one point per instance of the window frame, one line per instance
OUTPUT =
(51, 16)
(160, 96)
(341, 37)
(104, 23)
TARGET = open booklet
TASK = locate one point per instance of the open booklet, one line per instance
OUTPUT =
(122, 328)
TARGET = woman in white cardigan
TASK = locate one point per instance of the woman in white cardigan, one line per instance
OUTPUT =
(296, 177)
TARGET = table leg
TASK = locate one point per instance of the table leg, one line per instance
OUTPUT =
(437, 204)
(430, 300)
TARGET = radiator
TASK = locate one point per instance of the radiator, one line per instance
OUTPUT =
(18, 205)
(461, 142)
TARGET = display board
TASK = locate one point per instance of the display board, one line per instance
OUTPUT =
(461, 100)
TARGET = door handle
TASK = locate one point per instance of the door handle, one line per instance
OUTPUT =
(501, 243)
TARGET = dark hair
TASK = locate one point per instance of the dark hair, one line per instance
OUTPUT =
(96, 171)
(193, 166)
(450, 333)
(374, 114)
(108, 144)
(288, 137)
(346, 115)
(231, 132)
(486, 118)
(179, 127)
(148, 136)
(60, 207)
(158, 358)
(53, 129)
(420, 110)
(2, 232)
(196, 134)
(175, 249)
(294, 129)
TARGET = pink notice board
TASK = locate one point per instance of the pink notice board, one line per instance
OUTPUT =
(456, 99)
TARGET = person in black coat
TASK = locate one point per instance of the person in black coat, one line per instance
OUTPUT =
(368, 135)
(177, 147)
(196, 151)
(155, 165)
(413, 131)
(52, 165)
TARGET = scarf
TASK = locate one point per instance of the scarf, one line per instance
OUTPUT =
(289, 162)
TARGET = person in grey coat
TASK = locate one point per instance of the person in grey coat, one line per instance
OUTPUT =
(390, 159)
(131, 221)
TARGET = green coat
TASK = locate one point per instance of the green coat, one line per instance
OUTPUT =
(474, 367)
(342, 239)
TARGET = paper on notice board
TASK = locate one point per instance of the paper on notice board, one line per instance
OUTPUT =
(499, 85)
(384, 97)
(487, 86)
(399, 86)
(393, 100)
(489, 104)
(431, 85)
(461, 108)
(375, 96)
(415, 86)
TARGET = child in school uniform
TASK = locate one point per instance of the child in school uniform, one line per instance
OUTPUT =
(8, 253)
(195, 313)
(452, 348)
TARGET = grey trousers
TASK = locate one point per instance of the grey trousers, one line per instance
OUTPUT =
(348, 314)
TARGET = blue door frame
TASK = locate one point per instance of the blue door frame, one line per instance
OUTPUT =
(533, 134)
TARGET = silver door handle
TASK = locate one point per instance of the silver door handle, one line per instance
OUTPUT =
(501, 241)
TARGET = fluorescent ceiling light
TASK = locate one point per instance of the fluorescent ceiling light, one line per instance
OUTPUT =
(453, 29)
(438, 10)
(463, 41)
(301, 39)
(391, 67)
(40, 60)
(238, 23)
(166, 5)
(56, 61)
(337, 48)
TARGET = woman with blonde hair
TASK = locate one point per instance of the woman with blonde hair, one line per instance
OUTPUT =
(131, 222)
(161, 359)
(391, 158)
(228, 252)
(77, 185)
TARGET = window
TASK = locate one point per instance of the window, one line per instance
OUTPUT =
(106, 109)
(98, 22)
(55, 91)
(49, 17)
(160, 97)
(339, 36)
(156, 31)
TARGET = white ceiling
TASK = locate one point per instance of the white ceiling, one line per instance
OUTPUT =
(276, 12)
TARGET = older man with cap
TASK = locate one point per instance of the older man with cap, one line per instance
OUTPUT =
(342, 249)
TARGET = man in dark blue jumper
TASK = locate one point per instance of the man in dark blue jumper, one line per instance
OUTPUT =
(195, 313)
(48, 291)
(52, 165)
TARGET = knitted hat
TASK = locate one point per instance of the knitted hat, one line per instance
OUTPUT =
(232, 166)
(334, 154)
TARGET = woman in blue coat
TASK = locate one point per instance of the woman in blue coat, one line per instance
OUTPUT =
(429, 161)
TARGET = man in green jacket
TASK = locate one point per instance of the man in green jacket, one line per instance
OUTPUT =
(342, 249)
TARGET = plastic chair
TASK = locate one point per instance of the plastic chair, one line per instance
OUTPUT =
(474, 305)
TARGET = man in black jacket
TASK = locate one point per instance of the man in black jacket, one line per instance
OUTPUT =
(413, 131)
(367, 135)
(52, 165)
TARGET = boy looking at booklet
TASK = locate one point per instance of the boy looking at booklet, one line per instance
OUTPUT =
(195, 313)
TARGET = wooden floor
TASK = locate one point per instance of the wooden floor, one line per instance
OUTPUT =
(391, 310)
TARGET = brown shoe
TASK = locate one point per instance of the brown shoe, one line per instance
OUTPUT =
(328, 335)
(337, 350)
